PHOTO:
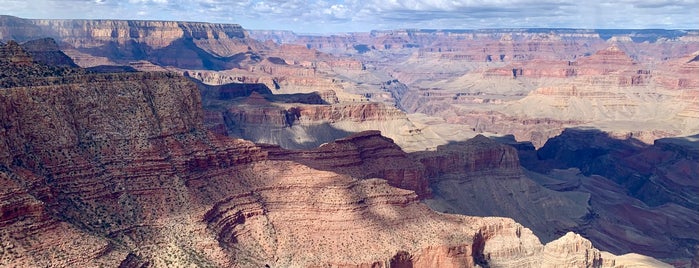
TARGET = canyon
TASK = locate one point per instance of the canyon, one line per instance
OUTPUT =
(146, 143)
(88, 183)
(534, 83)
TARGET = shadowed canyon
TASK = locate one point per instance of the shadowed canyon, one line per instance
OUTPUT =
(170, 144)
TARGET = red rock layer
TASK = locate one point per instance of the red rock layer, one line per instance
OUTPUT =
(479, 155)
(124, 158)
(364, 155)
(219, 39)
(168, 194)
(609, 61)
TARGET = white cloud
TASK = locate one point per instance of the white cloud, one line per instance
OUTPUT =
(364, 15)
(145, 1)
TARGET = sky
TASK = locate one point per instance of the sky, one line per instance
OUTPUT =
(336, 16)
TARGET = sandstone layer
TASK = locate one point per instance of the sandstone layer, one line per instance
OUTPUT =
(621, 81)
(354, 98)
(118, 170)
(649, 192)
(167, 43)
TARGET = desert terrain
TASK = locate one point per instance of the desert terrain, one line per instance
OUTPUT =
(163, 143)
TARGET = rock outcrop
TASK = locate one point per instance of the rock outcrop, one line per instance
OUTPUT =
(117, 170)
(47, 52)
(644, 188)
(459, 172)
(364, 155)
(189, 45)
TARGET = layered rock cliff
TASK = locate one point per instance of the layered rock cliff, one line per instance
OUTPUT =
(644, 188)
(608, 90)
(182, 44)
(459, 172)
(117, 170)
(364, 155)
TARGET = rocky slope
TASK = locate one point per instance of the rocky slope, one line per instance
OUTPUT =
(460, 174)
(621, 81)
(224, 59)
(609, 202)
(118, 170)
(180, 44)
(634, 187)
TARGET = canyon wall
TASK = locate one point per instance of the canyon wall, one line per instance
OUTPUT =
(501, 80)
(118, 170)
(130, 162)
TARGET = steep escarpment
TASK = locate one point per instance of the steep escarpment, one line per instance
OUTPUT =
(645, 188)
(89, 166)
(364, 155)
(95, 33)
(460, 172)
(656, 174)
(122, 164)
(300, 120)
(180, 44)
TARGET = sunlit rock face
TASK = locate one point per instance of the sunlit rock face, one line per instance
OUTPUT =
(123, 164)
(131, 162)
(502, 80)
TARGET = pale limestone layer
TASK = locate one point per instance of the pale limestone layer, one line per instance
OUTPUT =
(125, 159)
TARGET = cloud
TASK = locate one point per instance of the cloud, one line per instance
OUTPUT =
(365, 15)
(144, 1)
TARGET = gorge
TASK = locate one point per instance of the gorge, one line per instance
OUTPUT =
(145, 143)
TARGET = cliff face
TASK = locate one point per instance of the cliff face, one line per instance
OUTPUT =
(478, 155)
(122, 164)
(459, 172)
(364, 155)
(182, 44)
(95, 33)
(646, 187)
(665, 169)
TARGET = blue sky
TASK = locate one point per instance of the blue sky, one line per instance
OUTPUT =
(328, 16)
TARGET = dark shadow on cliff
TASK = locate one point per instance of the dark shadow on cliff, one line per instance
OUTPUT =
(236, 91)
(181, 53)
(617, 187)
(120, 53)
(46, 51)
(483, 177)
(665, 172)
(650, 191)
(251, 111)
(295, 137)
(184, 53)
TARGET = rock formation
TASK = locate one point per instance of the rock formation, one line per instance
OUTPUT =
(117, 169)
(131, 165)
(643, 188)
(182, 44)
(621, 81)
(458, 172)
